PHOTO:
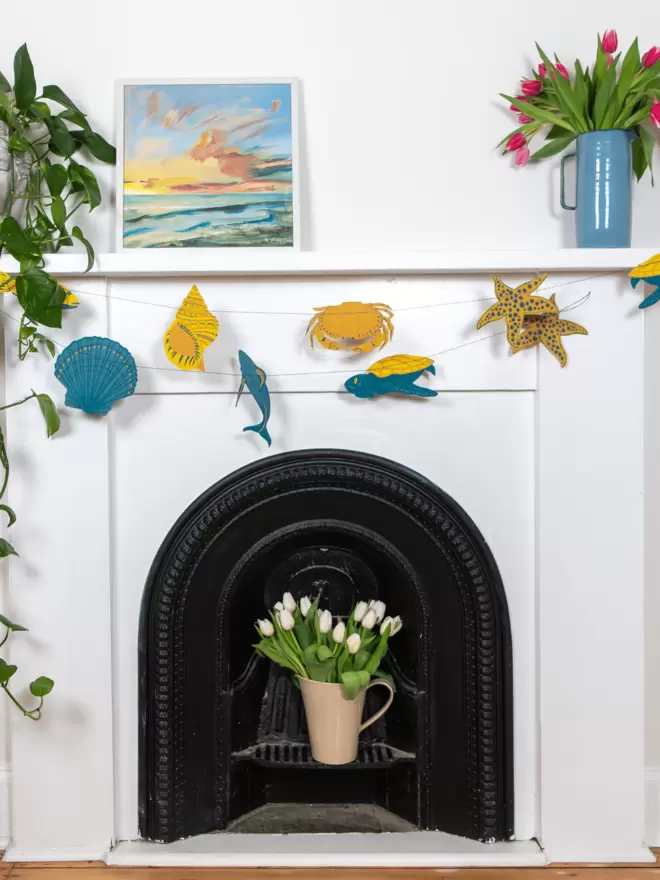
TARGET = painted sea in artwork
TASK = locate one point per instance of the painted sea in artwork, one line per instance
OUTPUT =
(208, 165)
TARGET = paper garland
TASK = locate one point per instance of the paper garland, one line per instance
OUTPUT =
(191, 332)
(530, 320)
(513, 304)
(352, 326)
(547, 330)
(648, 271)
(392, 375)
(96, 372)
(255, 379)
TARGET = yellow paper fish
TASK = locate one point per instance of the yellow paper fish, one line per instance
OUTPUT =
(191, 332)
(7, 283)
(71, 301)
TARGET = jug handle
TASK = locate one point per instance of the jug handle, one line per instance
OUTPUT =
(563, 183)
(384, 708)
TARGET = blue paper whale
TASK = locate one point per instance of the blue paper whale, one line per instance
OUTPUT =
(255, 379)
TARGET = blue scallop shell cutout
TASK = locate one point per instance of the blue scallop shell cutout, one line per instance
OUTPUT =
(96, 372)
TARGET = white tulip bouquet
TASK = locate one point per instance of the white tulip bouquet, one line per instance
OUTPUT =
(301, 637)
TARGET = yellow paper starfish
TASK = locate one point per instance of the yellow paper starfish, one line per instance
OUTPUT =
(514, 304)
(548, 330)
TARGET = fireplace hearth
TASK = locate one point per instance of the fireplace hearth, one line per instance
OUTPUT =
(222, 732)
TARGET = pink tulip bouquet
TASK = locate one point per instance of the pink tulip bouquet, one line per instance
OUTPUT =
(612, 94)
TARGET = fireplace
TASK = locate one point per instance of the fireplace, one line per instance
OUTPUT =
(222, 732)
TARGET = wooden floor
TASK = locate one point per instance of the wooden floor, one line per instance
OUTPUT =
(99, 871)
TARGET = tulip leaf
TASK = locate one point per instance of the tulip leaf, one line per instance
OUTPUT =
(604, 93)
(360, 660)
(563, 92)
(354, 682)
(647, 141)
(304, 635)
(638, 116)
(323, 653)
(538, 114)
(551, 148)
(629, 68)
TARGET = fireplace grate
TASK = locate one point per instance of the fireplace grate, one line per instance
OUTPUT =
(293, 754)
(283, 741)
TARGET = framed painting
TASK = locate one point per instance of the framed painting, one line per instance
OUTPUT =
(207, 163)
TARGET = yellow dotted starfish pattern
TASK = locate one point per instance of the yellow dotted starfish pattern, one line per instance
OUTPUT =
(514, 304)
(548, 331)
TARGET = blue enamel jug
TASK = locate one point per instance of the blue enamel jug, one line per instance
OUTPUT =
(603, 201)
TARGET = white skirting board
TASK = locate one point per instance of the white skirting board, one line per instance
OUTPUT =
(5, 806)
(415, 849)
(652, 806)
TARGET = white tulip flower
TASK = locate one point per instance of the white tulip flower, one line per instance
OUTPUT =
(278, 606)
(369, 619)
(379, 608)
(305, 605)
(353, 643)
(394, 624)
(360, 611)
(325, 622)
(266, 628)
(339, 632)
(286, 620)
(289, 602)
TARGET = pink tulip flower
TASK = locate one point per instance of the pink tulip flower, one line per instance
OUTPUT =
(532, 87)
(522, 157)
(543, 71)
(610, 61)
(562, 70)
(515, 142)
(523, 119)
(651, 57)
(518, 98)
(654, 115)
(610, 42)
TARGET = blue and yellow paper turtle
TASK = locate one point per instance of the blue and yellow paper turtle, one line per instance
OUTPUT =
(396, 374)
(648, 271)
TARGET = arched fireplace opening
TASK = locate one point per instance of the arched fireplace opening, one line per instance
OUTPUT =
(222, 733)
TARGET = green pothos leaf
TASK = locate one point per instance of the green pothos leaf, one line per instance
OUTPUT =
(6, 549)
(41, 686)
(14, 627)
(6, 671)
(11, 516)
(49, 412)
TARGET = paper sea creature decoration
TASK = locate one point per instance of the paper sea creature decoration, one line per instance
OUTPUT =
(548, 330)
(71, 301)
(7, 283)
(352, 326)
(648, 271)
(191, 332)
(393, 375)
(96, 372)
(513, 304)
(255, 379)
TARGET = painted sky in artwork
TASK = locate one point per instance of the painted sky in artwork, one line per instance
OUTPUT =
(193, 138)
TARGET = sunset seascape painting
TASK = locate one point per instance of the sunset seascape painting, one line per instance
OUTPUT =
(208, 165)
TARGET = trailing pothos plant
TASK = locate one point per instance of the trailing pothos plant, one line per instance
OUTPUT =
(42, 186)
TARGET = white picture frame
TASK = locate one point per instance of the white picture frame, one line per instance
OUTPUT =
(156, 82)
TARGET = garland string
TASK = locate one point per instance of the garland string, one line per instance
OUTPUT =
(579, 302)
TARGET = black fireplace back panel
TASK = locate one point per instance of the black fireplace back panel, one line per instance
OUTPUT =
(223, 732)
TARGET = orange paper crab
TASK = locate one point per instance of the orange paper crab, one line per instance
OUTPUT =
(352, 326)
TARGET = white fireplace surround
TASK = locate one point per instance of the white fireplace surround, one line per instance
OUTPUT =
(548, 462)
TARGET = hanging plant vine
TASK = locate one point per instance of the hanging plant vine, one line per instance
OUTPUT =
(41, 187)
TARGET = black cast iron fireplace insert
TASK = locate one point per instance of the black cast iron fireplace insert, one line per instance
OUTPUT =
(222, 732)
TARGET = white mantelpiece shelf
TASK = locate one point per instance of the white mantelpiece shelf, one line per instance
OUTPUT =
(276, 262)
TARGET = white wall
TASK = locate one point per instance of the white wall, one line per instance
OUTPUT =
(400, 120)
